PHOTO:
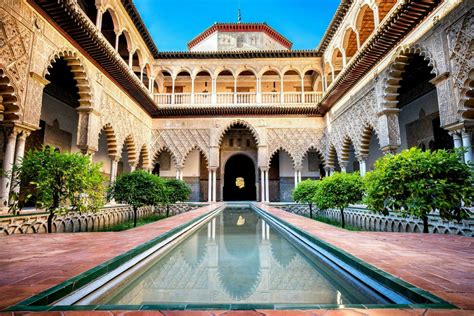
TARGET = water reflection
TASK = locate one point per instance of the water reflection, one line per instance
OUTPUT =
(235, 258)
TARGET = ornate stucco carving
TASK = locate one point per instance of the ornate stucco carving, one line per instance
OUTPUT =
(180, 142)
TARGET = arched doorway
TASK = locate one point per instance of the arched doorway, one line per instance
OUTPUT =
(239, 179)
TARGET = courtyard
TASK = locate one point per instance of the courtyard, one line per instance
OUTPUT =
(318, 163)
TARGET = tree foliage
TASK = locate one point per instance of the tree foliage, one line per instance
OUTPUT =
(418, 183)
(305, 192)
(338, 191)
(61, 182)
(175, 191)
(138, 189)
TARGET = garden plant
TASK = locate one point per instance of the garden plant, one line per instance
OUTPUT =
(418, 183)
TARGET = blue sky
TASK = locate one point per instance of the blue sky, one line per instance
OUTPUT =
(173, 23)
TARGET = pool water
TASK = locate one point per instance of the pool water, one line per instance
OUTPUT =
(236, 258)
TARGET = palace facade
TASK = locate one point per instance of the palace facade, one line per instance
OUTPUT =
(240, 116)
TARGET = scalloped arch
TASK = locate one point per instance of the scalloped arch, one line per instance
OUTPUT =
(288, 152)
(396, 70)
(249, 126)
(79, 73)
(163, 149)
(198, 148)
(9, 107)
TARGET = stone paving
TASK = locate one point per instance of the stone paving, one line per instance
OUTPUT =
(440, 264)
(33, 263)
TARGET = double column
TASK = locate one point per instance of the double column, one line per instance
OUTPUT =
(179, 173)
(264, 185)
(14, 152)
(464, 139)
(297, 176)
(212, 185)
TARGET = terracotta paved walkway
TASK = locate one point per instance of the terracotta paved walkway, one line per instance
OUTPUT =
(443, 265)
(32, 263)
(440, 264)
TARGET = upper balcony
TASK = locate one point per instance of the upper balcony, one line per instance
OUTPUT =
(238, 92)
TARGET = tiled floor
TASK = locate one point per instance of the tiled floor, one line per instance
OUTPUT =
(441, 264)
(30, 264)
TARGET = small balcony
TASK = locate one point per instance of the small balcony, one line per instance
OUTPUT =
(237, 99)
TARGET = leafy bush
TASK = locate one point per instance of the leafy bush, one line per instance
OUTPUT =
(304, 193)
(338, 191)
(175, 191)
(417, 183)
(61, 182)
(138, 188)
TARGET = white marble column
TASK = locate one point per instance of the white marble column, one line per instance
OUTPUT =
(282, 93)
(213, 92)
(296, 178)
(20, 152)
(113, 168)
(130, 59)
(457, 140)
(262, 184)
(259, 90)
(133, 168)
(299, 175)
(8, 161)
(177, 173)
(172, 90)
(362, 166)
(235, 90)
(214, 185)
(192, 90)
(467, 144)
(98, 21)
(117, 37)
(20, 147)
(209, 186)
(267, 187)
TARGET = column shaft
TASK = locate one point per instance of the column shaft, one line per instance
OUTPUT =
(7, 167)
(209, 187)
(214, 185)
(467, 144)
(267, 189)
(113, 170)
(262, 185)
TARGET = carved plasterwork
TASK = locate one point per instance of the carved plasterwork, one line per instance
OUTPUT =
(180, 142)
(352, 121)
(461, 57)
(295, 141)
(15, 46)
(123, 122)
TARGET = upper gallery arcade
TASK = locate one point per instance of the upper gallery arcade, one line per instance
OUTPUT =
(86, 76)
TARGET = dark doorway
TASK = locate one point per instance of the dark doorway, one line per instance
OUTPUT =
(239, 179)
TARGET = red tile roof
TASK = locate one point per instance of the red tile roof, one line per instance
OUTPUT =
(241, 27)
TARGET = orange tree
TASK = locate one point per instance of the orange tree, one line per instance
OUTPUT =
(417, 183)
(304, 193)
(338, 191)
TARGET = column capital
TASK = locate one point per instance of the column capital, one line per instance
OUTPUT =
(115, 158)
(362, 157)
(87, 150)
(264, 168)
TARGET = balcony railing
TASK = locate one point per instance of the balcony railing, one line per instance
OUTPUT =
(239, 98)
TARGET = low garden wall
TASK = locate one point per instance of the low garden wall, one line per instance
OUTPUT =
(361, 217)
(86, 222)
